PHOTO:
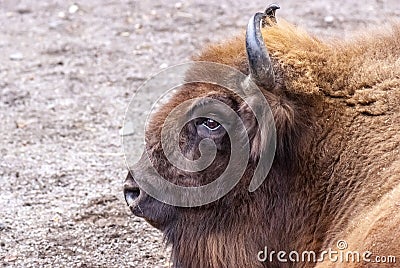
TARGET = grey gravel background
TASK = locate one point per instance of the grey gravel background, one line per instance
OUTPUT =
(67, 73)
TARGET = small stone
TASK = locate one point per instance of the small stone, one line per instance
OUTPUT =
(54, 24)
(163, 65)
(19, 123)
(124, 34)
(73, 8)
(178, 5)
(127, 129)
(22, 9)
(329, 19)
(10, 258)
(57, 219)
(16, 56)
(59, 210)
(61, 14)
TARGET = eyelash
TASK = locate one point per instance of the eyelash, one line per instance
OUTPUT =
(210, 124)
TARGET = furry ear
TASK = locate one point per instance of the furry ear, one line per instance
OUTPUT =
(284, 121)
(284, 116)
(258, 142)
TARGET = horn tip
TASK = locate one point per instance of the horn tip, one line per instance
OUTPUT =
(271, 9)
(270, 14)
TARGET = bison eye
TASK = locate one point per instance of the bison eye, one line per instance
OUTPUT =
(211, 124)
(209, 128)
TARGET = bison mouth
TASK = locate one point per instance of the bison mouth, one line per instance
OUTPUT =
(156, 213)
(142, 210)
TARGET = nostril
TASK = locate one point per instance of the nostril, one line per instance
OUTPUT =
(131, 195)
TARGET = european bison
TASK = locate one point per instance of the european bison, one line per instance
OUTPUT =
(334, 183)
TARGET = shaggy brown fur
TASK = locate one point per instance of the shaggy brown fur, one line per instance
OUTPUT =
(336, 174)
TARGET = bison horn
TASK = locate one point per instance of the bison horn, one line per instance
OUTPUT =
(261, 70)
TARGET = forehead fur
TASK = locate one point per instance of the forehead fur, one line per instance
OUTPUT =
(190, 91)
(314, 66)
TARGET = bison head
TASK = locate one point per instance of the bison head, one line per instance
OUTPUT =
(227, 231)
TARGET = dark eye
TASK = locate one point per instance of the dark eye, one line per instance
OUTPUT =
(209, 128)
(211, 124)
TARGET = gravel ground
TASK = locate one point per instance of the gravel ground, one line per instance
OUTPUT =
(67, 73)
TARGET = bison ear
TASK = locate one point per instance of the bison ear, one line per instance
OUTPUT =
(247, 111)
(260, 65)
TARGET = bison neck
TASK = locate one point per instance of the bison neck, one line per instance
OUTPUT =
(278, 216)
(352, 92)
(352, 163)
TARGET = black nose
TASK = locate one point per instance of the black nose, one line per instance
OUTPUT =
(131, 192)
(131, 195)
(143, 205)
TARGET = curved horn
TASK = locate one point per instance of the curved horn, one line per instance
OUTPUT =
(261, 70)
